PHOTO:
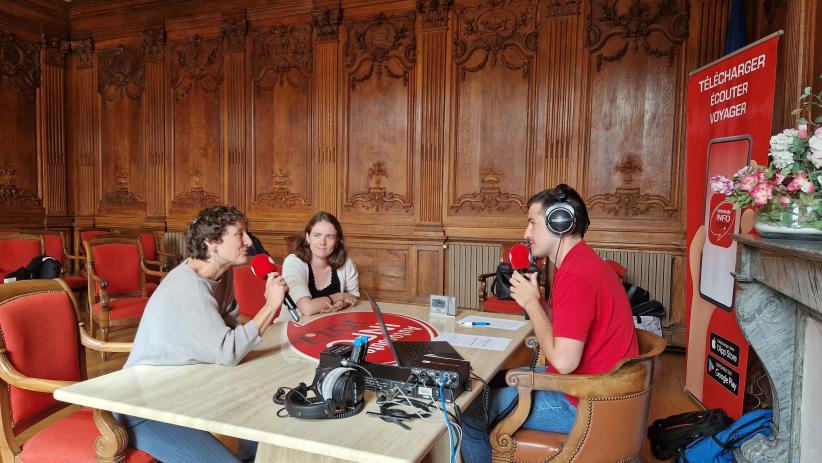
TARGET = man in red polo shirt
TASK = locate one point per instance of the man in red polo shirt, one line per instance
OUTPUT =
(587, 330)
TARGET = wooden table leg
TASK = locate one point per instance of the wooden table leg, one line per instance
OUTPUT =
(111, 445)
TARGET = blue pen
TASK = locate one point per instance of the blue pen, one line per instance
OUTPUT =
(474, 324)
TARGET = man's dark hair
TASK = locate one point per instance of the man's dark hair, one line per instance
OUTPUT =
(210, 224)
(303, 251)
(564, 193)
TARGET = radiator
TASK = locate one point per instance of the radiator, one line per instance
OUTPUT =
(175, 242)
(650, 270)
(463, 263)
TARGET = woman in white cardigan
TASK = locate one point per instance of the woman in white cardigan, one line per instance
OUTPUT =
(320, 275)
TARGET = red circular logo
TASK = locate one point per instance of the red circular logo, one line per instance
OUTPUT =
(343, 328)
(721, 221)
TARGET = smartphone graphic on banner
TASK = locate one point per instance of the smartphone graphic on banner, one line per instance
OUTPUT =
(716, 284)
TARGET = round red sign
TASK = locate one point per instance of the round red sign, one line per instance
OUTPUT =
(343, 328)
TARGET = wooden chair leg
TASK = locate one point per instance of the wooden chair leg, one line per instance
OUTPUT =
(111, 444)
(102, 332)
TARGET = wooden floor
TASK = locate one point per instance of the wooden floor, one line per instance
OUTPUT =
(667, 398)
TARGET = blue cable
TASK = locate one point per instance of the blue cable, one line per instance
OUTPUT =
(447, 421)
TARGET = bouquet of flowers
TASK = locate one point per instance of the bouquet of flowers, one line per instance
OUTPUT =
(785, 191)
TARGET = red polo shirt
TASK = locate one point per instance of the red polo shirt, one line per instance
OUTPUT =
(590, 305)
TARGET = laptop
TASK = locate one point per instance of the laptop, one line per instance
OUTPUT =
(409, 353)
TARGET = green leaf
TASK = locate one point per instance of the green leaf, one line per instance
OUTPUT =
(796, 111)
(802, 120)
(806, 91)
(818, 120)
(806, 198)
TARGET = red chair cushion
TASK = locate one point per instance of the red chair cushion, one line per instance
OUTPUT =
(617, 268)
(76, 282)
(119, 265)
(17, 253)
(124, 308)
(71, 440)
(47, 348)
(91, 234)
(150, 288)
(492, 304)
(53, 246)
(148, 242)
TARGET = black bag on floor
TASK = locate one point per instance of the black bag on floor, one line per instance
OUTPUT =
(668, 436)
(501, 287)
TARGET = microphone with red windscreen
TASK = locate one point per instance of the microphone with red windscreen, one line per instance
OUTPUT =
(520, 256)
(262, 265)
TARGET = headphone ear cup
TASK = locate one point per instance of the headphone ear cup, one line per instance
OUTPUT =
(329, 384)
(560, 219)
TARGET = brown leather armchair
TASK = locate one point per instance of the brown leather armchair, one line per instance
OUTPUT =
(611, 416)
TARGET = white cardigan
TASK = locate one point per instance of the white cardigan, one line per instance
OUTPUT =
(295, 273)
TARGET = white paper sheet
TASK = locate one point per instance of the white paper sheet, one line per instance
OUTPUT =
(474, 341)
(494, 322)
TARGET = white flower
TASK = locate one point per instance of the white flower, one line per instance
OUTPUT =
(784, 140)
(782, 159)
(815, 150)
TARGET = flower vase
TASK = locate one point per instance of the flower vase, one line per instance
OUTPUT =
(794, 220)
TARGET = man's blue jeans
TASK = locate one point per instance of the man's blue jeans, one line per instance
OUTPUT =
(550, 411)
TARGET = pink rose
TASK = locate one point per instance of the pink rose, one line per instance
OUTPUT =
(801, 182)
(721, 184)
(818, 132)
(784, 200)
(803, 130)
(778, 178)
(748, 182)
(762, 193)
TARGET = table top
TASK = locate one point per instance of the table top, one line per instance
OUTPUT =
(237, 401)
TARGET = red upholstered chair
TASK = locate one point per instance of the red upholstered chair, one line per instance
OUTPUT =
(489, 303)
(17, 250)
(42, 349)
(152, 250)
(249, 290)
(116, 283)
(611, 416)
(54, 245)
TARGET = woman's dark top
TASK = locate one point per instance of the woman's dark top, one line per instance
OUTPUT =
(332, 288)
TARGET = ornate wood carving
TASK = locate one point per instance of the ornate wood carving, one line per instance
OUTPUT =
(771, 7)
(434, 12)
(326, 124)
(154, 40)
(196, 62)
(327, 24)
(19, 64)
(636, 25)
(196, 197)
(121, 71)
(630, 202)
(282, 54)
(497, 31)
(490, 196)
(10, 195)
(385, 46)
(233, 33)
(121, 197)
(84, 51)
(563, 7)
(281, 196)
(55, 51)
(377, 197)
(110, 445)
(629, 166)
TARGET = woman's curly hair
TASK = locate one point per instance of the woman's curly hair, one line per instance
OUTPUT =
(210, 224)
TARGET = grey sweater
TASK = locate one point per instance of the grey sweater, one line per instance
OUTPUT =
(190, 319)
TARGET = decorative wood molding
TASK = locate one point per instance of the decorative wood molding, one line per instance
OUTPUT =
(196, 62)
(122, 197)
(635, 25)
(10, 195)
(281, 196)
(282, 54)
(121, 71)
(490, 197)
(629, 202)
(196, 197)
(84, 51)
(19, 64)
(563, 7)
(327, 24)
(384, 45)
(154, 40)
(499, 31)
(771, 7)
(377, 197)
(434, 13)
(628, 167)
(55, 50)
(326, 126)
(233, 33)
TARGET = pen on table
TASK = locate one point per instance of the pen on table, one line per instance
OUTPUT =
(474, 324)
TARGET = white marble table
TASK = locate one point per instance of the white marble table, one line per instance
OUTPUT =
(236, 401)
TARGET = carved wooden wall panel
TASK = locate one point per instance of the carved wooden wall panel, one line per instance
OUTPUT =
(326, 24)
(379, 55)
(82, 130)
(493, 167)
(282, 64)
(154, 126)
(51, 131)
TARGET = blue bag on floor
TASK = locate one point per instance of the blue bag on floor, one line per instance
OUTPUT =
(719, 447)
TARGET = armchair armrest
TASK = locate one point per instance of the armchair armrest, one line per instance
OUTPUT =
(101, 346)
(17, 379)
(160, 266)
(104, 297)
(148, 271)
(483, 281)
(582, 386)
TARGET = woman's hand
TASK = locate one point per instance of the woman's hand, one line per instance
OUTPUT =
(349, 299)
(525, 291)
(275, 289)
(332, 307)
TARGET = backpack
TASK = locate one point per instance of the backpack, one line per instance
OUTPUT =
(718, 448)
(501, 287)
(669, 436)
(39, 268)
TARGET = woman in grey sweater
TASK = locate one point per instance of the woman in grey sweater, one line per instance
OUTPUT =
(192, 317)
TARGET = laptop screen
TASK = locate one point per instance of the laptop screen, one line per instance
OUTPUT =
(383, 328)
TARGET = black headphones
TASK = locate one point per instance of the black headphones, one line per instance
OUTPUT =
(560, 217)
(337, 393)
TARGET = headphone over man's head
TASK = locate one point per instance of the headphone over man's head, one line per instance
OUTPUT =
(560, 217)
(336, 393)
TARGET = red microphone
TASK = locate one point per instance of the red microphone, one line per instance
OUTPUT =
(520, 256)
(262, 265)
